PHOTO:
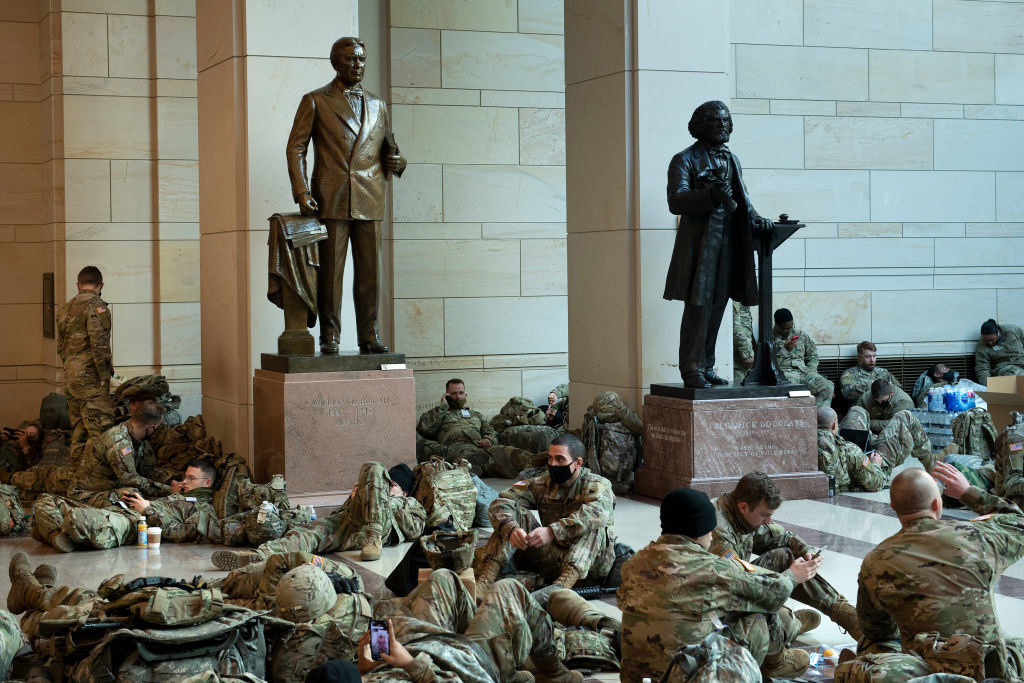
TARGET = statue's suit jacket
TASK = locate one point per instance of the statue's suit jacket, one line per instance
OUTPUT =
(348, 179)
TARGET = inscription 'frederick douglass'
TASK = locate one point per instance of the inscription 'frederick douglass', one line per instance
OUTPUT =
(351, 412)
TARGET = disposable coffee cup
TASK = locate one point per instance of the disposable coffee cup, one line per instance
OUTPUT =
(154, 536)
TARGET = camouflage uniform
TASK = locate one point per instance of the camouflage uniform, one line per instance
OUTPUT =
(11, 641)
(777, 549)
(1005, 358)
(856, 381)
(84, 524)
(112, 462)
(801, 364)
(894, 431)
(579, 513)
(1009, 461)
(673, 590)
(370, 509)
(255, 585)
(452, 639)
(453, 434)
(83, 341)
(743, 341)
(924, 384)
(937, 575)
(853, 471)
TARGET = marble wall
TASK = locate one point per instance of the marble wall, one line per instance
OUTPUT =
(896, 131)
(479, 239)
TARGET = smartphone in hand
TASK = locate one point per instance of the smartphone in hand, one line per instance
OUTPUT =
(380, 639)
(818, 554)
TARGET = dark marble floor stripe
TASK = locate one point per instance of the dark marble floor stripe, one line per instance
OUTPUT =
(879, 508)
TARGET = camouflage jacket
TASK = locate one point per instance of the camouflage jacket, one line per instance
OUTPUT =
(937, 575)
(194, 507)
(1009, 461)
(1009, 349)
(856, 381)
(407, 515)
(804, 356)
(448, 426)
(571, 510)
(743, 341)
(673, 589)
(83, 338)
(114, 461)
(879, 416)
(733, 533)
(848, 464)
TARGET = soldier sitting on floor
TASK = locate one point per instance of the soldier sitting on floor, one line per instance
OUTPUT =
(852, 468)
(894, 431)
(857, 380)
(456, 432)
(796, 354)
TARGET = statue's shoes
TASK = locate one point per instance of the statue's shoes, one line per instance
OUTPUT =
(714, 378)
(694, 379)
(374, 346)
(329, 347)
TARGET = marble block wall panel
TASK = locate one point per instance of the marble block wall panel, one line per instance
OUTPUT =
(1010, 79)
(767, 22)
(830, 317)
(979, 145)
(872, 143)
(801, 73)
(768, 141)
(1010, 196)
(518, 61)
(457, 135)
(483, 15)
(978, 26)
(870, 23)
(919, 76)
(482, 193)
(962, 313)
(454, 268)
(536, 324)
(541, 16)
(922, 196)
(810, 195)
(319, 428)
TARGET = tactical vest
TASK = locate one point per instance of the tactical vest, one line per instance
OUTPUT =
(974, 433)
(446, 490)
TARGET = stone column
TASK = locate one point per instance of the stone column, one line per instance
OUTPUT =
(634, 70)
(255, 59)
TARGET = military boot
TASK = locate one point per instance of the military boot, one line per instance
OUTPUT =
(551, 670)
(568, 577)
(809, 619)
(234, 559)
(787, 663)
(46, 574)
(62, 542)
(845, 616)
(26, 591)
(488, 573)
(570, 609)
(372, 548)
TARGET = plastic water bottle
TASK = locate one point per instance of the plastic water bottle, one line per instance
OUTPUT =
(312, 513)
(143, 529)
(831, 486)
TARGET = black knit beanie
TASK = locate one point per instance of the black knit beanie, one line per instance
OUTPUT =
(687, 512)
(783, 316)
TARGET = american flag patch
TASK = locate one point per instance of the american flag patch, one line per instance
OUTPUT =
(982, 518)
(101, 309)
(729, 554)
(867, 462)
(127, 450)
(317, 561)
(1016, 446)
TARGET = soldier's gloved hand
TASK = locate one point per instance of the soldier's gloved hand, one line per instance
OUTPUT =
(343, 584)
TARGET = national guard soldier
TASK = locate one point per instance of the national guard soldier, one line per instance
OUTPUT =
(1009, 465)
(674, 592)
(377, 511)
(745, 526)
(937, 575)
(743, 342)
(456, 432)
(796, 354)
(884, 412)
(852, 469)
(857, 380)
(1000, 351)
(575, 539)
(83, 342)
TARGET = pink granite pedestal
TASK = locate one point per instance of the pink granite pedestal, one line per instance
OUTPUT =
(709, 444)
(318, 428)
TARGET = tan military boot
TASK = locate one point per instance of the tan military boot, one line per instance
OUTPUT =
(789, 663)
(809, 619)
(568, 578)
(26, 591)
(570, 609)
(488, 573)
(46, 574)
(845, 616)
(62, 542)
(234, 559)
(371, 549)
(551, 670)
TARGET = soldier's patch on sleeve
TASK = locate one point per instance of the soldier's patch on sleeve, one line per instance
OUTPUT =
(729, 554)
(746, 565)
(520, 483)
(101, 309)
(867, 463)
(1016, 446)
(983, 517)
(127, 450)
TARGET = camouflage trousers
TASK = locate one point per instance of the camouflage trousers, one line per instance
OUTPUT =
(84, 525)
(500, 461)
(532, 438)
(765, 634)
(1006, 369)
(817, 593)
(255, 585)
(366, 511)
(592, 554)
(739, 372)
(10, 640)
(508, 625)
(820, 387)
(903, 436)
(90, 412)
(43, 479)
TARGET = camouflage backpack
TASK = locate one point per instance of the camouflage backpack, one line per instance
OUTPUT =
(959, 654)
(231, 471)
(613, 451)
(449, 549)
(264, 524)
(518, 411)
(716, 658)
(250, 494)
(12, 517)
(172, 606)
(446, 490)
(532, 438)
(585, 649)
(974, 433)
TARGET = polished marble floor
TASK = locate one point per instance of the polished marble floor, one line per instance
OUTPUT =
(849, 524)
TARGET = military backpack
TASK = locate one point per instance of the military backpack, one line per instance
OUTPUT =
(449, 549)
(446, 490)
(715, 659)
(612, 450)
(974, 433)
(53, 412)
(883, 667)
(580, 648)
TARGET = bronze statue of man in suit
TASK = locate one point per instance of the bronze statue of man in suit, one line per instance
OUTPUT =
(713, 256)
(355, 152)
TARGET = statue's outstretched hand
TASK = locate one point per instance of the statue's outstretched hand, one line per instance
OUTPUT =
(308, 205)
(763, 224)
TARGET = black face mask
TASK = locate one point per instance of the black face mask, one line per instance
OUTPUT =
(885, 403)
(455, 403)
(949, 376)
(560, 473)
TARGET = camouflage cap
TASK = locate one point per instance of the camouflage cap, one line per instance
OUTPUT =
(153, 386)
(304, 593)
(450, 549)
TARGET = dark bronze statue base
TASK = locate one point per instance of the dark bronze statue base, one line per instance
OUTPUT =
(346, 361)
(728, 391)
(296, 343)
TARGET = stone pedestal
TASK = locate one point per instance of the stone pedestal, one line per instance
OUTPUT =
(318, 428)
(708, 444)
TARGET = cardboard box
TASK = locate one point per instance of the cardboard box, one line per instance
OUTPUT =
(1004, 395)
